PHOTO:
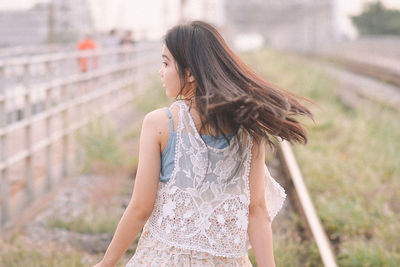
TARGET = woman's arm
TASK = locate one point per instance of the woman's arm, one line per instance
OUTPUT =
(144, 192)
(259, 228)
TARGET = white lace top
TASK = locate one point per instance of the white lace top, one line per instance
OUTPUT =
(205, 204)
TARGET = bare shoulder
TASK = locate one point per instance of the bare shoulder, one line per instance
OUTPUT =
(155, 123)
(154, 117)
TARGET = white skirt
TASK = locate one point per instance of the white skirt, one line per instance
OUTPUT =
(152, 253)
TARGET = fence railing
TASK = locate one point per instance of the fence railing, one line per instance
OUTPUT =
(33, 50)
(45, 100)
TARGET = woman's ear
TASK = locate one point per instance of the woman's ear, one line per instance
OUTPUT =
(189, 76)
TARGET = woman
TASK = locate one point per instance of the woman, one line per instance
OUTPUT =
(201, 186)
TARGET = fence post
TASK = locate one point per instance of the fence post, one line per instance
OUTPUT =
(79, 117)
(65, 100)
(4, 183)
(49, 148)
(30, 194)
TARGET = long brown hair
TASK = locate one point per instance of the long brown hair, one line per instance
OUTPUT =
(228, 92)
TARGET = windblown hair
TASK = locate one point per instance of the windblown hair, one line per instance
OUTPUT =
(230, 94)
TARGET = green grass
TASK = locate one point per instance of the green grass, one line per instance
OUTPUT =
(35, 258)
(91, 222)
(152, 97)
(291, 249)
(17, 253)
(289, 253)
(360, 252)
(103, 149)
(350, 164)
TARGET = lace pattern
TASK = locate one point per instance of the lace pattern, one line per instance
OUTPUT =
(274, 194)
(204, 205)
(151, 252)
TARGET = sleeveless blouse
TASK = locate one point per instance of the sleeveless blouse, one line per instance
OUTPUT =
(204, 205)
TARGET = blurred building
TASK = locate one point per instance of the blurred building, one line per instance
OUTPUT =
(212, 11)
(160, 15)
(23, 27)
(300, 25)
(64, 21)
(72, 19)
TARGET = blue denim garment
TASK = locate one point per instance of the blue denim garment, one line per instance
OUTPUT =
(168, 154)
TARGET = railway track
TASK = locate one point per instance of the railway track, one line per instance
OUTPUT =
(360, 80)
(299, 202)
(381, 73)
(294, 184)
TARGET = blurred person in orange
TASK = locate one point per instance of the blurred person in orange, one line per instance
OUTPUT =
(88, 43)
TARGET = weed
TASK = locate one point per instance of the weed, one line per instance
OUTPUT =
(350, 163)
(86, 224)
(102, 147)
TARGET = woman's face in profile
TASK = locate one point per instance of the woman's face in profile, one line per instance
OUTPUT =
(169, 74)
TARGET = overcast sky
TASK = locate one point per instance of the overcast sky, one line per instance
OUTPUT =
(134, 14)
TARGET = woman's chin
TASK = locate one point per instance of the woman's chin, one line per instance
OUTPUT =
(170, 95)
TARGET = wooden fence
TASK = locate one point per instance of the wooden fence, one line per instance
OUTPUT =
(45, 100)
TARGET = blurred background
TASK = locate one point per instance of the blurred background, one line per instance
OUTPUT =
(77, 77)
(309, 23)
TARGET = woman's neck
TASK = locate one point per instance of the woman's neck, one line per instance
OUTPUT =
(191, 103)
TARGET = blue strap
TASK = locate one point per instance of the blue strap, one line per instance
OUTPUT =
(171, 123)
